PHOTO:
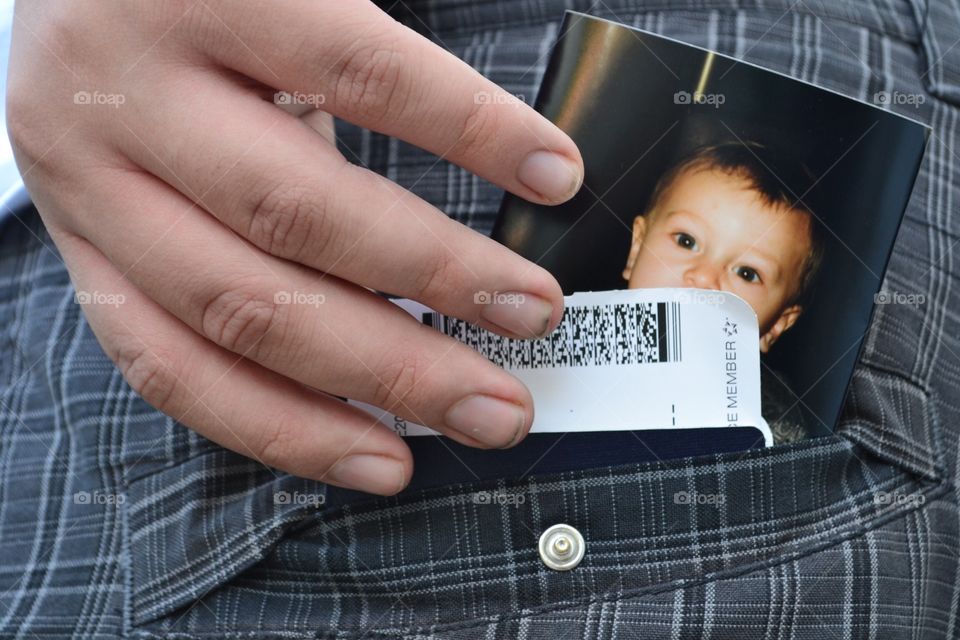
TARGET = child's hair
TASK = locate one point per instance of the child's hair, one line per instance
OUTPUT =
(779, 179)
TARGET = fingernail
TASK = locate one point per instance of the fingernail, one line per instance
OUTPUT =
(521, 313)
(552, 175)
(492, 421)
(371, 473)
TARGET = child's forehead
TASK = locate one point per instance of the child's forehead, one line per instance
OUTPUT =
(738, 185)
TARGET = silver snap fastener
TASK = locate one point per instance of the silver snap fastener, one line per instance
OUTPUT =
(561, 547)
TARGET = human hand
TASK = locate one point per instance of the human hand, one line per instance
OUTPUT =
(226, 249)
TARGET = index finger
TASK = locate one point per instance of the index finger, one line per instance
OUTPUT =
(353, 60)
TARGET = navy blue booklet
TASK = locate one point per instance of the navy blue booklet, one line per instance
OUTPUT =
(439, 461)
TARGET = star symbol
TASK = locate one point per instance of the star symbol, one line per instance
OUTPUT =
(730, 328)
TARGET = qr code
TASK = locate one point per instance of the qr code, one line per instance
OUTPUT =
(640, 333)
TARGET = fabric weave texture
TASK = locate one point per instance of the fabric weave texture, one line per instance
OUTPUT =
(853, 535)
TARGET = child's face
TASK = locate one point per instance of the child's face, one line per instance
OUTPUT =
(712, 231)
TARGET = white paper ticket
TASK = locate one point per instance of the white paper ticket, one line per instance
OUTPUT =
(627, 360)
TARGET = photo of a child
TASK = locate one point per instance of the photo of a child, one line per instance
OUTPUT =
(722, 218)
(703, 171)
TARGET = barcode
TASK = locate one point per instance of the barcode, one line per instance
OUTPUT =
(641, 333)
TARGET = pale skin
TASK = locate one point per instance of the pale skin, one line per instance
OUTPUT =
(200, 201)
(711, 231)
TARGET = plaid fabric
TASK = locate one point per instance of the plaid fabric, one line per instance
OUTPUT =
(114, 521)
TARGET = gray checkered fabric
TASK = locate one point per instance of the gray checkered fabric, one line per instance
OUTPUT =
(117, 522)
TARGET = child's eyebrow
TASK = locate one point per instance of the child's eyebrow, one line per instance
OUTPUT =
(683, 212)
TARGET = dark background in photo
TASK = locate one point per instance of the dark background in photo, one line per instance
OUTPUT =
(626, 97)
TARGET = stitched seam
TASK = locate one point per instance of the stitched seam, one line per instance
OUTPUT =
(706, 463)
(931, 424)
(934, 492)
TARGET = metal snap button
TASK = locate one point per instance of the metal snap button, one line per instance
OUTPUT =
(561, 547)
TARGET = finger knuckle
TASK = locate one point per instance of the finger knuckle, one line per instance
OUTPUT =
(477, 129)
(63, 33)
(280, 441)
(436, 277)
(29, 135)
(242, 319)
(398, 382)
(288, 217)
(21, 134)
(148, 374)
(200, 22)
(369, 83)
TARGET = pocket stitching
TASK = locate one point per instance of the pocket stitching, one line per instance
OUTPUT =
(934, 491)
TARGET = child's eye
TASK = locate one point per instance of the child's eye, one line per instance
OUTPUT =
(749, 274)
(685, 240)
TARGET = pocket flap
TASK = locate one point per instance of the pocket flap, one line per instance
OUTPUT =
(939, 23)
(895, 419)
(194, 526)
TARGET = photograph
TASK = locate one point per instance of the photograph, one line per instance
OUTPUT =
(710, 173)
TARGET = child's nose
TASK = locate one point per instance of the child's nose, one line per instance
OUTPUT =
(702, 276)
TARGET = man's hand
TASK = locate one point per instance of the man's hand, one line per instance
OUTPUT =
(225, 250)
